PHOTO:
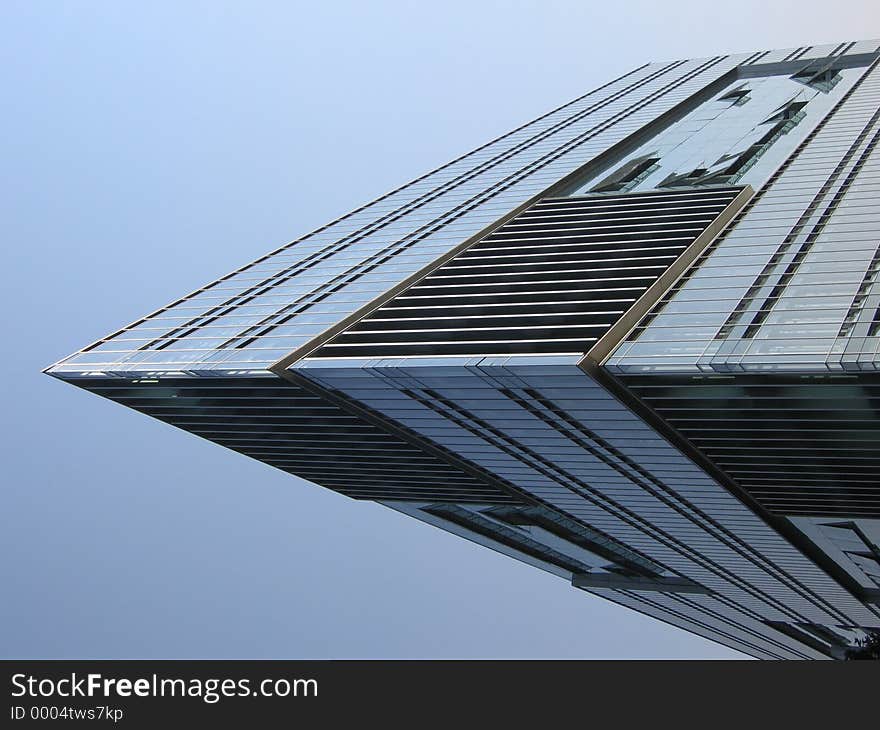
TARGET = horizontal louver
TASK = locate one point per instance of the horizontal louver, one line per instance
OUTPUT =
(287, 427)
(552, 280)
(800, 445)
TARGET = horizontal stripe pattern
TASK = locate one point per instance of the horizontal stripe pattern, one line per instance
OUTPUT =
(554, 279)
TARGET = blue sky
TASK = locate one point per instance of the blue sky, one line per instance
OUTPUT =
(151, 147)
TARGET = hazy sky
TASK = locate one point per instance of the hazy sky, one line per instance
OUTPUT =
(149, 148)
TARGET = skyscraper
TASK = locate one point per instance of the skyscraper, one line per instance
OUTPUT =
(635, 342)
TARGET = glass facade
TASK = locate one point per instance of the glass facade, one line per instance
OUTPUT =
(794, 284)
(260, 313)
(634, 342)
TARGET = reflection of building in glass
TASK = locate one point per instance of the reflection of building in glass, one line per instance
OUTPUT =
(635, 342)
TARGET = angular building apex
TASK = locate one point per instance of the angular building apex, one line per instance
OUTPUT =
(634, 342)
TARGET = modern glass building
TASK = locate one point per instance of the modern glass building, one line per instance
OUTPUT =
(634, 342)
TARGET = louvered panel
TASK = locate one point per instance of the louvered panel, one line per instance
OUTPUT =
(287, 427)
(552, 280)
(800, 445)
